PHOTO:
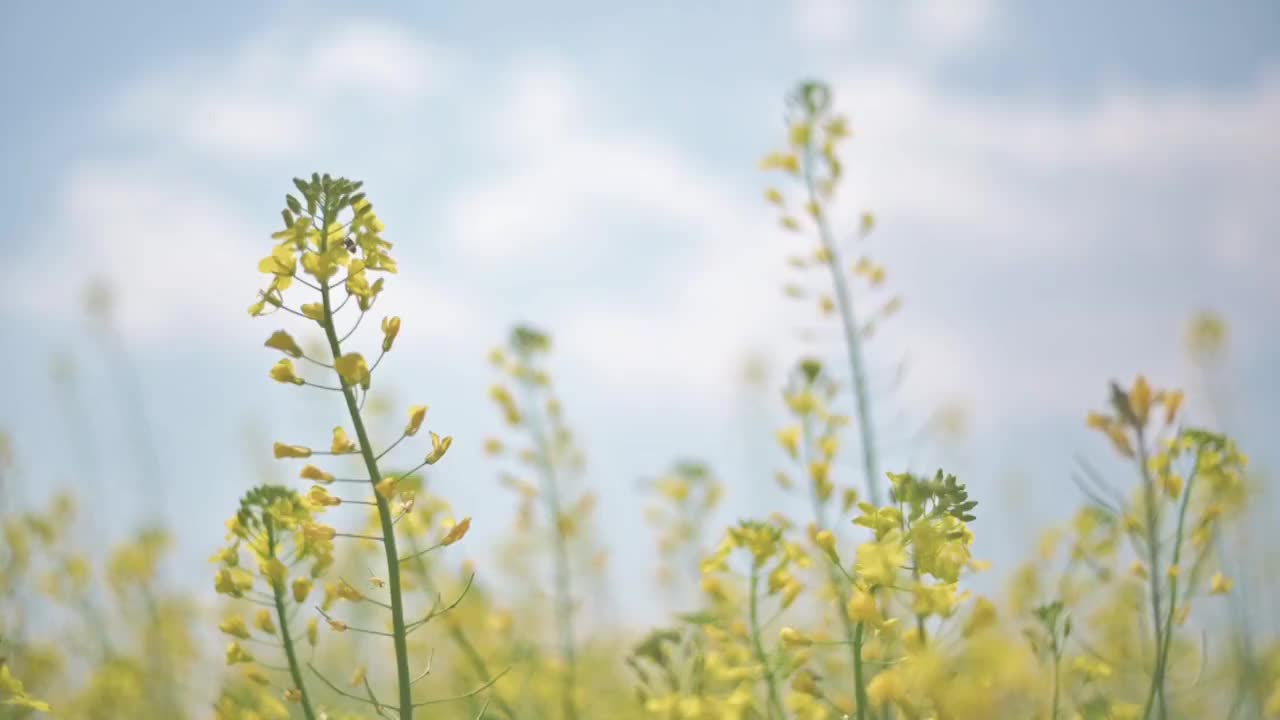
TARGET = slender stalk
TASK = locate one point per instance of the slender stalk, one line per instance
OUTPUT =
(1057, 674)
(775, 705)
(1153, 574)
(384, 509)
(562, 576)
(282, 619)
(859, 682)
(849, 323)
(837, 582)
(1162, 662)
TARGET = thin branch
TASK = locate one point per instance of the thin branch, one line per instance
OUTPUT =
(342, 692)
(465, 695)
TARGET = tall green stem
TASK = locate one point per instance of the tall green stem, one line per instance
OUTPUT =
(849, 323)
(837, 582)
(1057, 675)
(399, 636)
(1162, 662)
(859, 682)
(282, 620)
(1153, 561)
(775, 704)
(560, 550)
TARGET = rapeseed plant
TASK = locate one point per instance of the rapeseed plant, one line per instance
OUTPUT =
(684, 497)
(545, 447)
(812, 159)
(331, 230)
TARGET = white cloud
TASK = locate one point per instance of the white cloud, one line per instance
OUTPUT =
(1010, 183)
(971, 162)
(825, 21)
(177, 255)
(277, 94)
(950, 24)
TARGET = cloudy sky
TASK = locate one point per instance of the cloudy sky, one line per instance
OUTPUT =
(1059, 187)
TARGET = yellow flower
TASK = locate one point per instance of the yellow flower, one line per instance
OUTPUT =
(789, 439)
(301, 588)
(439, 446)
(417, 414)
(826, 540)
(281, 262)
(878, 562)
(264, 622)
(457, 532)
(387, 486)
(313, 631)
(1140, 399)
(320, 497)
(316, 531)
(983, 616)
(315, 311)
(1220, 584)
(337, 625)
(790, 592)
(255, 675)
(237, 654)
(348, 592)
(282, 372)
(885, 687)
(353, 369)
(311, 472)
(284, 342)
(226, 584)
(234, 626)
(341, 443)
(275, 571)
(862, 607)
(283, 451)
(390, 329)
(1172, 402)
(786, 162)
(293, 695)
(794, 638)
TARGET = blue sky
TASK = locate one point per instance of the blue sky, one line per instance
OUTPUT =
(1059, 187)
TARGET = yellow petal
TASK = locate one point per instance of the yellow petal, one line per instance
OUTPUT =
(417, 414)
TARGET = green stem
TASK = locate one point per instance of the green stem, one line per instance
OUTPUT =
(837, 581)
(562, 576)
(282, 618)
(853, 344)
(1057, 665)
(1153, 566)
(775, 705)
(859, 682)
(1157, 678)
(399, 637)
